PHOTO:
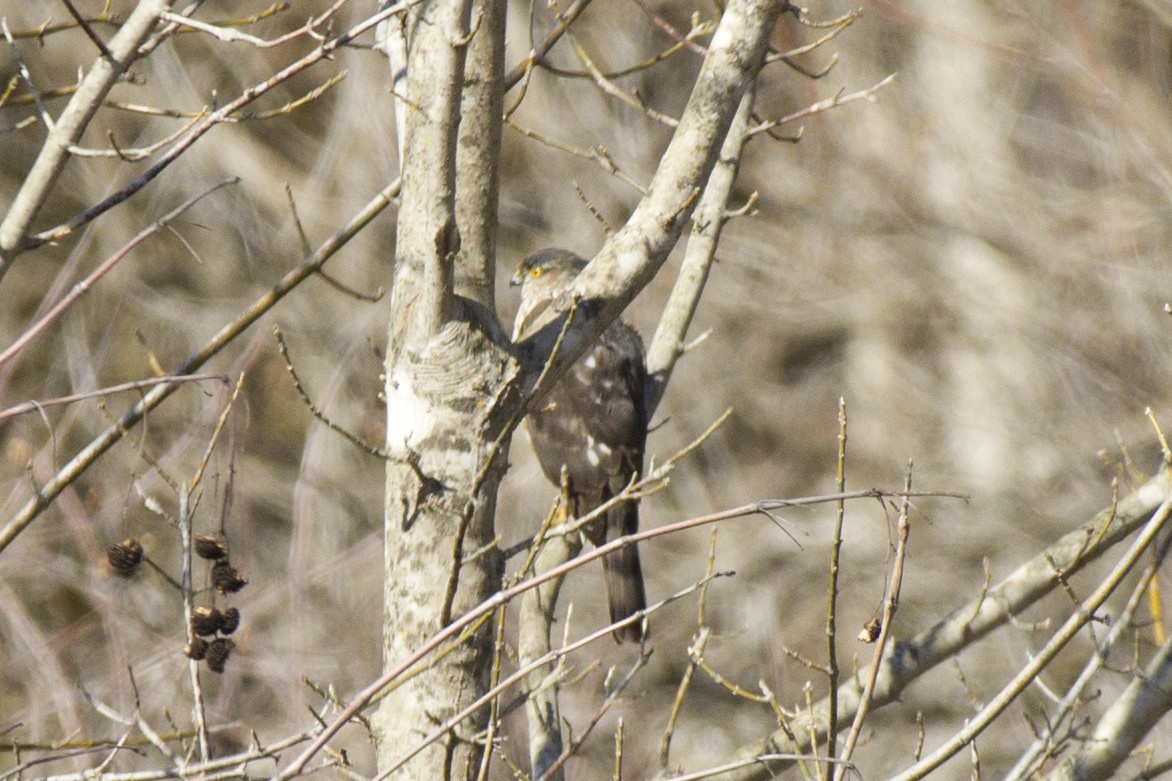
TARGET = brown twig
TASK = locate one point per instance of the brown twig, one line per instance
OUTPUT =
(832, 593)
(222, 114)
(353, 439)
(89, 31)
(890, 605)
(82, 287)
(46, 493)
(537, 52)
(365, 696)
(26, 407)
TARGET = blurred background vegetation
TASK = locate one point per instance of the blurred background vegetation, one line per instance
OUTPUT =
(977, 262)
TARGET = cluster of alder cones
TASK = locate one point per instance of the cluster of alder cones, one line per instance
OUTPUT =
(210, 626)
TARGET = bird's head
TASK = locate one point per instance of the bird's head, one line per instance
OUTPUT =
(548, 265)
(543, 276)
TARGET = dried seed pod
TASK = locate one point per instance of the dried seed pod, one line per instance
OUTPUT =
(211, 547)
(218, 652)
(196, 649)
(871, 631)
(206, 620)
(226, 579)
(124, 556)
(231, 621)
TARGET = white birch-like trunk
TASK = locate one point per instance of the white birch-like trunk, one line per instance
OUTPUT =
(448, 369)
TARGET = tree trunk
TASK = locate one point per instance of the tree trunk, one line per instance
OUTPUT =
(440, 503)
(447, 371)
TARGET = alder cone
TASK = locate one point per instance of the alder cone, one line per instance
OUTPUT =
(125, 556)
(206, 620)
(197, 649)
(218, 652)
(211, 548)
(226, 579)
(231, 620)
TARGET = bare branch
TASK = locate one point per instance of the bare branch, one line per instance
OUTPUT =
(22, 69)
(208, 122)
(630, 258)
(840, 99)
(46, 493)
(71, 124)
(83, 287)
(198, 712)
(890, 604)
(1076, 621)
(832, 669)
(1048, 744)
(707, 223)
(539, 51)
(394, 671)
(908, 660)
(597, 154)
(137, 385)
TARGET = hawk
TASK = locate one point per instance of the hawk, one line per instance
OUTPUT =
(593, 421)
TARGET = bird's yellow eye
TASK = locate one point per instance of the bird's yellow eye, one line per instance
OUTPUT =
(535, 272)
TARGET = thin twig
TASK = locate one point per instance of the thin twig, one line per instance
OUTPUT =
(605, 83)
(215, 437)
(890, 605)
(818, 107)
(222, 114)
(46, 493)
(760, 759)
(89, 31)
(222, 32)
(69, 126)
(975, 725)
(197, 705)
(313, 408)
(227, 767)
(363, 697)
(538, 52)
(832, 593)
(518, 675)
(1044, 746)
(598, 155)
(695, 651)
(81, 288)
(671, 31)
(26, 407)
(23, 70)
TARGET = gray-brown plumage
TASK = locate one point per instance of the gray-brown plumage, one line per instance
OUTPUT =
(593, 421)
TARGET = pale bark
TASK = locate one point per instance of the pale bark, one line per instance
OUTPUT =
(67, 128)
(1125, 724)
(442, 480)
(723, 91)
(668, 343)
(478, 152)
(908, 660)
(448, 367)
(633, 255)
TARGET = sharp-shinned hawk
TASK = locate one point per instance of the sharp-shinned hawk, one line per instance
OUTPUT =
(594, 422)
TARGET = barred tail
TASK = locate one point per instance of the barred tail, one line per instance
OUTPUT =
(624, 574)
